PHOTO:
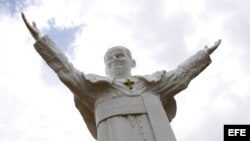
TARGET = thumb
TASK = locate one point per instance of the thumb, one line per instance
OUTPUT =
(34, 24)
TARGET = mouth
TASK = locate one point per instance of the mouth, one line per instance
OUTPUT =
(117, 64)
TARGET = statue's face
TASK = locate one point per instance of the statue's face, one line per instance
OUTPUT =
(118, 62)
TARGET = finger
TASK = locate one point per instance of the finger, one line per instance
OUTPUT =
(26, 22)
(24, 19)
(34, 24)
(23, 16)
(218, 42)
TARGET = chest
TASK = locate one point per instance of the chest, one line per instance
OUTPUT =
(123, 88)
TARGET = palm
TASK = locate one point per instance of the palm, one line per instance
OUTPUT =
(34, 31)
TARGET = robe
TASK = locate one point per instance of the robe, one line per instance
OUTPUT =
(114, 112)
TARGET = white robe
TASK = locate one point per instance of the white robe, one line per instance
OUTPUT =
(149, 122)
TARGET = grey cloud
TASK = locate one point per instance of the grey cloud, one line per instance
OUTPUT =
(237, 30)
(236, 24)
(162, 33)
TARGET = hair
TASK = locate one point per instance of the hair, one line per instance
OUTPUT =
(118, 47)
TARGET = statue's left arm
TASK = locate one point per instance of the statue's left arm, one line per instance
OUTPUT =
(174, 81)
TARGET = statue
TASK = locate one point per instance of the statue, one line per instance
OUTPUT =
(119, 106)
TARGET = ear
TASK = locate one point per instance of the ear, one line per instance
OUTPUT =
(133, 63)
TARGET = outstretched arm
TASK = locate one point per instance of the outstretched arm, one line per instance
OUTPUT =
(34, 31)
(172, 82)
(51, 54)
(73, 78)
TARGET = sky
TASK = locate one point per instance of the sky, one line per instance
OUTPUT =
(36, 106)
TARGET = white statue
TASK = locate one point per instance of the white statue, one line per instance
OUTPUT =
(122, 107)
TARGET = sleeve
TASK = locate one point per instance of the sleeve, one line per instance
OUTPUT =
(174, 81)
(70, 76)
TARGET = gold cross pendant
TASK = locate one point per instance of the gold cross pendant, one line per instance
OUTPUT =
(129, 83)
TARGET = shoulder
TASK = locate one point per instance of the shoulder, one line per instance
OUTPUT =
(94, 78)
(154, 77)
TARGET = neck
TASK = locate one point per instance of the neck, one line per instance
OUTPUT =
(121, 76)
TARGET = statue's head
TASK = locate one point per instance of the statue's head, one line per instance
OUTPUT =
(119, 62)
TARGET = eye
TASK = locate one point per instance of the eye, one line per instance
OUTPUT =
(120, 55)
(109, 57)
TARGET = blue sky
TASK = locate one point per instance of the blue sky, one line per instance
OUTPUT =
(35, 105)
(62, 37)
(12, 5)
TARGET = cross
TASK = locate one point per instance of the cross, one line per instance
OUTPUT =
(129, 83)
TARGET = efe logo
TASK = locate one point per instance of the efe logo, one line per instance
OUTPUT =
(236, 132)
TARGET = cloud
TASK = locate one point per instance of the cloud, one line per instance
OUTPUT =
(26, 98)
(161, 34)
(223, 96)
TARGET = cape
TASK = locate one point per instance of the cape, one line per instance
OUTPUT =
(168, 104)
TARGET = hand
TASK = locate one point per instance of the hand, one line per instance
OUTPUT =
(211, 49)
(34, 31)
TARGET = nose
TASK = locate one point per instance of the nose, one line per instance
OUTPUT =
(115, 58)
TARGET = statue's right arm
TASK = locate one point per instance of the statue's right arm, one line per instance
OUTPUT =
(48, 50)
